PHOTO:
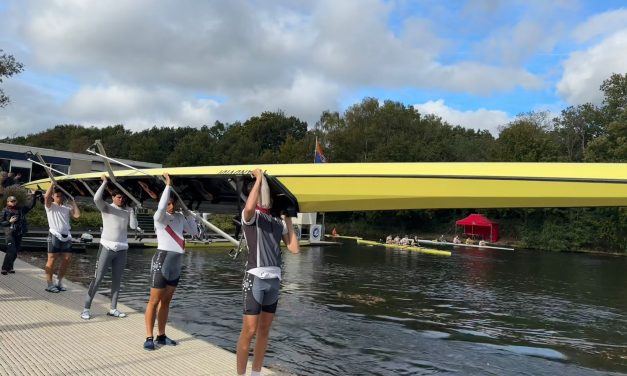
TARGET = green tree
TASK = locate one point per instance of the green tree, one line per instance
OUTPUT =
(373, 132)
(615, 95)
(8, 67)
(202, 143)
(259, 139)
(576, 128)
(527, 139)
(612, 145)
(298, 151)
(270, 130)
(468, 145)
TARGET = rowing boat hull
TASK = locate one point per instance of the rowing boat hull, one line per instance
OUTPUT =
(435, 252)
(393, 186)
(463, 245)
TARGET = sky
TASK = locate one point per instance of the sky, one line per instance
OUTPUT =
(144, 63)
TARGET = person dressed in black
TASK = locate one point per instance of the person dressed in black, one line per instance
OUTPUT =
(13, 220)
(9, 180)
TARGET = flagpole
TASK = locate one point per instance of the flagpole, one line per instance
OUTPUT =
(315, 150)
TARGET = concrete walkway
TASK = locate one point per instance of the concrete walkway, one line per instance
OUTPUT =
(41, 333)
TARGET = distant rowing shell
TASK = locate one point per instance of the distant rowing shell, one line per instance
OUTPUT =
(435, 252)
(464, 245)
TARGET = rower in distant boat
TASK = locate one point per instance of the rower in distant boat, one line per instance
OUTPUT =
(456, 240)
(411, 242)
(482, 243)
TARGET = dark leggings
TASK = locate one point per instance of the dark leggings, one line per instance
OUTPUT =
(14, 243)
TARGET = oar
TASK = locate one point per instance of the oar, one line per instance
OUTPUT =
(160, 178)
(43, 164)
(54, 181)
(103, 155)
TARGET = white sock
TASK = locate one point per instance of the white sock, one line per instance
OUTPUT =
(255, 373)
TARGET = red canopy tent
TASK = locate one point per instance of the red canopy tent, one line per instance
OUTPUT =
(477, 224)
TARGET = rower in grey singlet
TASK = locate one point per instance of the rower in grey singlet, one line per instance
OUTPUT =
(262, 279)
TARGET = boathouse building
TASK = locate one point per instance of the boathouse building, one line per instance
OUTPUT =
(14, 158)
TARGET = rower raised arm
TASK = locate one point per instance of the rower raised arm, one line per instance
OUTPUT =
(163, 202)
(76, 212)
(290, 239)
(48, 196)
(253, 196)
(98, 200)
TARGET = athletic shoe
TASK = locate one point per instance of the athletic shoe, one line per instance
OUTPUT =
(11, 271)
(86, 315)
(116, 313)
(149, 344)
(165, 340)
(60, 286)
(53, 289)
(4, 272)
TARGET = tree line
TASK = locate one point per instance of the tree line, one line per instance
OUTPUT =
(390, 131)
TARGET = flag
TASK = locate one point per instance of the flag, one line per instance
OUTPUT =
(318, 154)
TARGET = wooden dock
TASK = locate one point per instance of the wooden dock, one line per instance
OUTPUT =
(41, 333)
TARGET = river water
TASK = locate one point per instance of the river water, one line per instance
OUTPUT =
(356, 310)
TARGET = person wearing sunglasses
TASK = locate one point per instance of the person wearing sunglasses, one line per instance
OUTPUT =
(59, 238)
(13, 219)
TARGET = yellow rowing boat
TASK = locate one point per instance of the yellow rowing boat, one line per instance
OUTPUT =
(428, 251)
(328, 187)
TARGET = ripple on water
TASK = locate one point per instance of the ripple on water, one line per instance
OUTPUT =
(393, 318)
(539, 352)
(474, 333)
(339, 305)
(433, 334)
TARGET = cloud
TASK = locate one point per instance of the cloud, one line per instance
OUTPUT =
(584, 71)
(141, 65)
(238, 45)
(137, 107)
(515, 45)
(478, 119)
(306, 98)
(481, 79)
(29, 111)
(601, 24)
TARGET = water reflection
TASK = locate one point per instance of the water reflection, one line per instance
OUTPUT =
(363, 310)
